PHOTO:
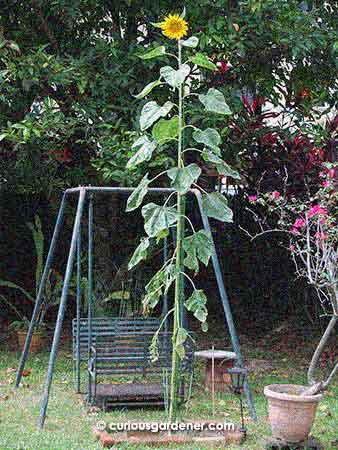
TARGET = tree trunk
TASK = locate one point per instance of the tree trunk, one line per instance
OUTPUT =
(317, 354)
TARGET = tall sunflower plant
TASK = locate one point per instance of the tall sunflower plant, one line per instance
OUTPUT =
(165, 125)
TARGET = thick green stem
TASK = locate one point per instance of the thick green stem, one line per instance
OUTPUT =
(175, 369)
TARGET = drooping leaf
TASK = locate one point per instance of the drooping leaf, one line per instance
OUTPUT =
(161, 235)
(196, 303)
(198, 246)
(214, 101)
(154, 53)
(140, 253)
(9, 284)
(147, 89)
(145, 148)
(227, 171)
(210, 156)
(202, 60)
(181, 336)
(183, 178)
(157, 218)
(205, 327)
(150, 300)
(153, 348)
(151, 112)
(191, 42)
(175, 77)
(209, 137)
(137, 196)
(222, 167)
(216, 205)
(165, 130)
(180, 351)
(158, 285)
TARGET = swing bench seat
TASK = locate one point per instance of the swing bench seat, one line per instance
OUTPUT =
(105, 326)
(128, 355)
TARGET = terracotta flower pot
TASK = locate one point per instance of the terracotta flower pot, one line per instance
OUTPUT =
(291, 416)
(37, 341)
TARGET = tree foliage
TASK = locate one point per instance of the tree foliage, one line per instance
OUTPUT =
(68, 70)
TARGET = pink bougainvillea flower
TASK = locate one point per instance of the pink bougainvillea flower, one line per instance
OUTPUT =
(299, 223)
(322, 174)
(323, 221)
(332, 173)
(275, 195)
(292, 248)
(326, 184)
(317, 210)
(320, 235)
(252, 198)
(294, 230)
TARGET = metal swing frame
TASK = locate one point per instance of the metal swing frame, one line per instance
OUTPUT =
(86, 193)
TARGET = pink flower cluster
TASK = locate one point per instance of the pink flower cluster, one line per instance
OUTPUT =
(252, 198)
(275, 195)
(316, 210)
(330, 175)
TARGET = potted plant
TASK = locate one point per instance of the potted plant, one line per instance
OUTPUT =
(312, 230)
(51, 295)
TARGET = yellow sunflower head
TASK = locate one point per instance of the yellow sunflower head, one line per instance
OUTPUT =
(174, 27)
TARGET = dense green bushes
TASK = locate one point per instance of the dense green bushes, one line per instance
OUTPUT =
(68, 71)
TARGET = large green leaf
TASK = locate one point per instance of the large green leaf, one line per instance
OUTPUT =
(181, 336)
(154, 53)
(183, 178)
(216, 205)
(147, 89)
(9, 284)
(175, 77)
(151, 112)
(165, 130)
(137, 196)
(214, 101)
(145, 148)
(158, 285)
(209, 137)
(222, 167)
(191, 42)
(202, 60)
(157, 218)
(140, 253)
(198, 246)
(196, 303)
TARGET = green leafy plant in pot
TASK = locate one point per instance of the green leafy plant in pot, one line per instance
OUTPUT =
(166, 125)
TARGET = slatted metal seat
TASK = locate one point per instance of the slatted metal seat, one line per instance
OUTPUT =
(129, 353)
(103, 326)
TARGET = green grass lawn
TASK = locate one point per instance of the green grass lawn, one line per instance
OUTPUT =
(69, 422)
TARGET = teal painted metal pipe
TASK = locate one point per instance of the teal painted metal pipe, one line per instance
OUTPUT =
(62, 309)
(90, 286)
(39, 298)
